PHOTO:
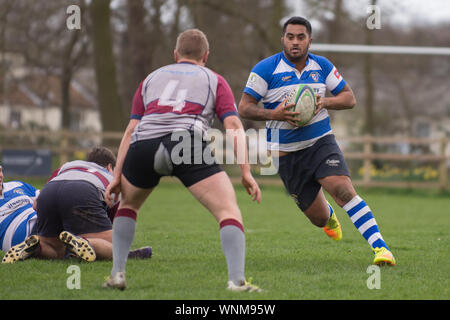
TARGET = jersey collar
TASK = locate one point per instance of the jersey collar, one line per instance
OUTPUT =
(283, 56)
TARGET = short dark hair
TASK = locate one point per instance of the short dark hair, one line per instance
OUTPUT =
(101, 156)
(298, 20)
(192, 44)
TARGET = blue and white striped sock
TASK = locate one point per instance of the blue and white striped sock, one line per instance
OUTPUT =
(330, 208)
(363, 219)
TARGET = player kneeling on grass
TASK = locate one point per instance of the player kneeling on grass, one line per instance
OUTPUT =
(71, 214)
(180, 98)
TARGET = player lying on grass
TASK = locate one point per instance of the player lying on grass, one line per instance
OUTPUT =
(183, 97)
(72, 214)
(309, 158)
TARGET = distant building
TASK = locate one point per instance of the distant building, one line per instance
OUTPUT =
(34, 101)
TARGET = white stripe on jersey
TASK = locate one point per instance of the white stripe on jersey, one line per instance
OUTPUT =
(275, 124)
(9, 234)
(333, 79)
(294, 146)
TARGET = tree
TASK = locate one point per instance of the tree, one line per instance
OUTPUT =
(112, 115)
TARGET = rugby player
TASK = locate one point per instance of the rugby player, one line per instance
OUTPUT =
(181, 97)
(17, 216)
(72, 213)
(309, 158)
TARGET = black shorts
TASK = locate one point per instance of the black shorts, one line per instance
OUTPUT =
(301, 169)
(71, 205)
(149, 160)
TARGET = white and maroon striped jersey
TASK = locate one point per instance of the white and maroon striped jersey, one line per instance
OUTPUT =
(181, 96)
(85, 171)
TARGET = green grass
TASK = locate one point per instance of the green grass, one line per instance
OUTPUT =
(286, 255)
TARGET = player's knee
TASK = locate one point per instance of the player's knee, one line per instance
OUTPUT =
(343, 193)
(317, 216)
(320, 221)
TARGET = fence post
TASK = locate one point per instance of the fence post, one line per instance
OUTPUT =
(367, 159)
(443, 171)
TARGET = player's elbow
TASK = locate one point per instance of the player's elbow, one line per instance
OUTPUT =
(242, 110)
(352, 102)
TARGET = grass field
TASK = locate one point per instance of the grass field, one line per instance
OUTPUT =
(286, 255)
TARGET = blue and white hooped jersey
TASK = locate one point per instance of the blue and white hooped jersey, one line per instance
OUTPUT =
(17, 216)
(274, 77)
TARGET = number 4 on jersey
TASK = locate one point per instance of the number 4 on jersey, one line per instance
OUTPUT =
(165, 99)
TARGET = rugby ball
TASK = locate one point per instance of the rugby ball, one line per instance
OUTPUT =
(304, 100)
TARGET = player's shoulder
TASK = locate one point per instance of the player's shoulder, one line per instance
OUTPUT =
(323, 62)
(18, 187)
(269, 64)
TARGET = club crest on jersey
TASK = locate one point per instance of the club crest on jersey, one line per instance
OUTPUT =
(19, 191)
(314, 76)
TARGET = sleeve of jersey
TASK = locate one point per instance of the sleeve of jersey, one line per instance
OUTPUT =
(256, 85)
(334, 80)
(225, 104)
(138, 107)
(31, 191)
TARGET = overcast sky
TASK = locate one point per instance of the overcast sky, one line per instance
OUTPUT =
(404, 12)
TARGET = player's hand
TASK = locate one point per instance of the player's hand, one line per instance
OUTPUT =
(112, 192)
(321, 103)
(283, 113)
(251, 186)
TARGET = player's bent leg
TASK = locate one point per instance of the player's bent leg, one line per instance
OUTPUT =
(341, 189)
(101, 242)
(51, 248)
(318, 212)
(78, 246)
(321, 214)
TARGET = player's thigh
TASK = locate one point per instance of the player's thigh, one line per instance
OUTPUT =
(339, 187)
(217, 194)
(132, 197)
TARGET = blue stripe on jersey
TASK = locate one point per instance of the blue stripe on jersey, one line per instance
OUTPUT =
(301, 134)
(339, 87)
(227, 114)
(253, 93)
(135, 116)
(7, 221)
(21, 232)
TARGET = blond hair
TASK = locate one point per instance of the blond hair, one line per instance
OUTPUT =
(192, 44)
